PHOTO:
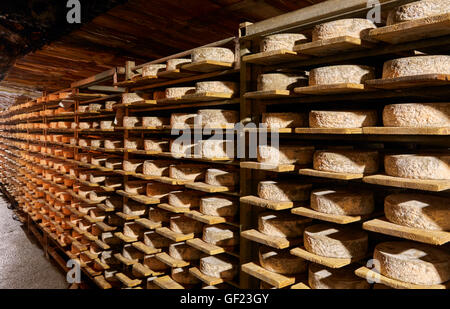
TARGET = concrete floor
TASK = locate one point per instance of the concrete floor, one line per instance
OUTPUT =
(22, 261)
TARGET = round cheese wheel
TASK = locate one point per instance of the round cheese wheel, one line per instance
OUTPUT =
(182, 251)
(286, 154)
(281, 224)
(342, 119)
(213, 54)
(280, 81)
(217, 118)
(336, 241)
(156, 145)
(346, 161)
(338, 74)
(281, 261)
(218, 206)
(283, 191)
(177, 92)
(413, 262)
(354, 27)
(417, 10)
(421, 211)
(417, 115)
(216, 86)
(185, 225)
(134, 166)
(342, 202)
(281, 41)
(417, 65)
(321, 277)
(220, 235)
(284, 120)
(156, 167)
(219, 267)
(417, 166)
(152, 69)
(216, 177)
(154, 121)
(174, 64)
(183, 276)
(131, 122)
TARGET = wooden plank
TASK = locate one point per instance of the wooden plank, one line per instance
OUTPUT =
(167, 283)
(271, 241)
(420, 81)
(144, 248)
(148, 224)
(168, 260)
(271, 94)
(339, 219)
(101, 282)
(176, 237)
(124, 260)
(383, 226)
(329, 130)
(413, 30)
(274, 279)
(127, 217)
(175, 74)
(209, 249)
(208, 280)
(142, 270)
(373, 276)
(322, 260)
(139, 198)
(283, 168)
(211, 220)
(300, 286)
(333, 46)
(274, 57)
(207, 96)
(207, 66)
(274, 205)
(332, 175)
(124, 238)
(204, 187)
(406, 131)
(174, 209)
(417, 184)
(331, 89)
(127, 281)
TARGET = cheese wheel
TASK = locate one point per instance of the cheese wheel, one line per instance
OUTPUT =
(281, 41)
(346, 161)
(182, 251)
(193, 172)
(131, 122)
(154, 240)
(286, 154)
(95, 107)
(135, 187)
(217, 148)
(343, 119)
(219, 267)
(342, 202)
(216, 177)
(174, 64)
(216, 86)
(217, 118)
(279, 224)
(181, 120)
(413, 262)
(177, 92)
(417, 115)
(284, 120)
(353, 27)
(417, 166)
(283, 191)
(220, 235)
(113, 144)
(106, 124)
(134, 166)
(338, 74)
(212, 54)
(154, 121)
(110, 104)
(418, 65)
(183, 276)
(156, 145)
(83, 108)
(321, 277)
(152, 69)
(185, 225)
(156, 167)
(218, 206)
(417, 10)
(128, 98)
(281, 261)
(280, 81)
(133, 143)
(416, 210)
(186, 198)
(335, 241)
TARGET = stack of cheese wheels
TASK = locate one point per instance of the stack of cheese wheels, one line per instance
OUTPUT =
(342, 119)
(178, 92)
(221, 235)
(321, 277)
(284, 120)
(218, 206)
(346, 161)
(285, 154)
(281, 261)
(156, 167)
(423, 211)
(342, 202)
(220, 177)
(280, 81)
(336, 241)
(174, 64)
(286, 41)
(219, 266)
(417, 10)
(279, 224)
(216, 87)
(185, 199)
(341, 74)
(417, 115)
(413, 262)
(417, 65)
(353, 27)
(212, 54)
(151, 70)
(182, 251)
(283, 191)
(418, 166)
(218, 118)
(184, 225)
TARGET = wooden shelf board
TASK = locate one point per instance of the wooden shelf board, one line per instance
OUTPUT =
(176, 237)
(406, 131)
(124, 260)
(413, 30)
(274, 279)
(268, 167)
(417, 184)
(127, 281)
(274, 205)
(144, 248)
(209, 249)
(101, 282)
(330, 89)
(410, 81)
(333, 46)
(167, 283)
(265, 95)
(322, 260)
(125, 238)
(207, 66)
(300, 286)
(274, 57)
(271, 241)
(207, 96)
(332, 175)
(170, 181)
(383, 226)
(142, 270)
(329, 130)
(142, 103)
(211, 220)
(174, 209)
(168, 260)
(269, 130)
(148, 224)
(311, 213)
(175, 74)
(204, 187)
(139, 198)
(127, 217)
(208, 280)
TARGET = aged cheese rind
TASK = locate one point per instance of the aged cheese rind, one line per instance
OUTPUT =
(417, 65)
(217, 148)
(335, 241)
(216, 118)
(280, 224)
(346, 161)
(156, 167)
(221, 206)
(282, 41)
(182, 251)
(342, 202)
(173, 64)
(220, 235)
(180, 120)
(154, 121)
(280, 81)
(134, 166)
(216, 177)
(216, 86)
(152, 69)
(343, 119)
(156, 145)
(354, 27)
(417, 210)
(321, 277)
(177, 92)
(337, 74)
(288, 154)
(284, 120)
(417, 10)
(416, 166)
(213, 54)
(185, 225)
(131, 121)
(414, 263)
(193, 172)
(283, 191)
(281, 261)
(186, 198)
(417, 115)
(219, 267)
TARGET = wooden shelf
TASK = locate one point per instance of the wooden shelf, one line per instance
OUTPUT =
(329, 130)
(421, 81)
(322, 260)
(406, 131)
(271, 241)
(418, 184)
(174, 209)
(204, 187)
(207, 66)
(148, 224)
(274, 57)
(127, 281)
(274, 279)
(331, 89)
(267, 95)
(339, 219)
(139, 198)
(144, 248)
(327, 47)
(211, 220)
(176, 237)
(208, 280)
(283, 168)
(168, 260)
(332, 175)
(175, 74)
(209, 249)
(167, 283)
(274, 205)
